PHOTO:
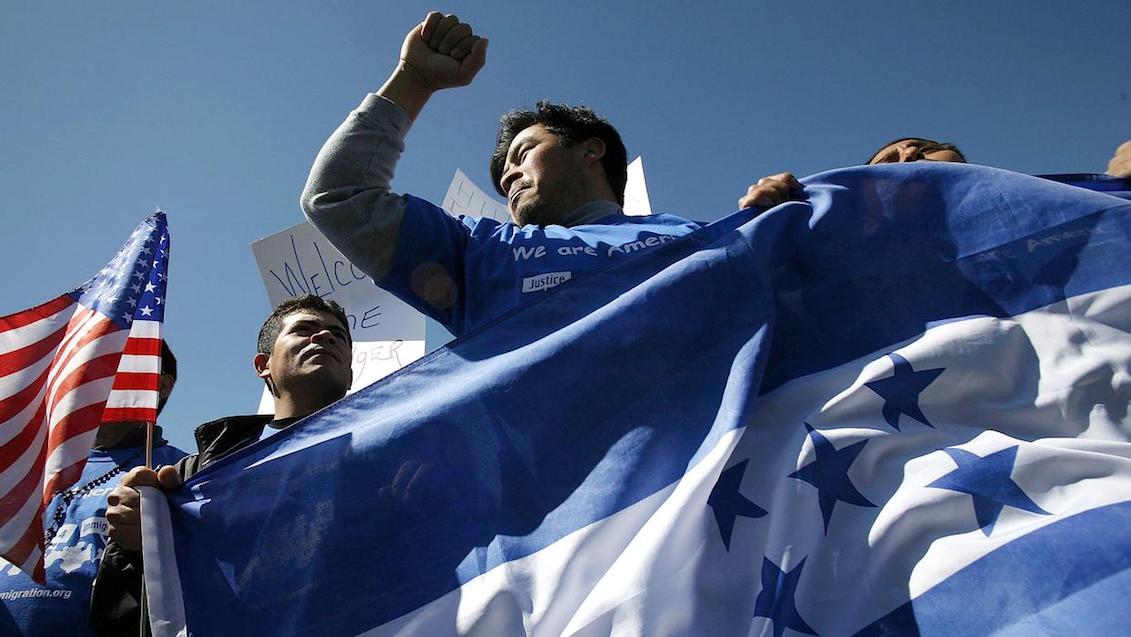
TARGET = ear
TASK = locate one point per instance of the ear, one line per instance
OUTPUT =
(594, 149)
(260, 362)
(165, 384)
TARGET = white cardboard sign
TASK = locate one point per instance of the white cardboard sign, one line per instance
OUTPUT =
(387, 333)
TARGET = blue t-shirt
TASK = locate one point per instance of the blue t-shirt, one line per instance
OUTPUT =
(62, 607)
(464, 272)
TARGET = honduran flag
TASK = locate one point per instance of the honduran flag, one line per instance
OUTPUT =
(899, 407)
(89, 356)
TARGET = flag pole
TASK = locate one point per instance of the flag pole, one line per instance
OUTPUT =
(150, 425)
(143, 607)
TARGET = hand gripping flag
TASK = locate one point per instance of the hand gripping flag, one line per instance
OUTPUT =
(88, 356)
(898, 407)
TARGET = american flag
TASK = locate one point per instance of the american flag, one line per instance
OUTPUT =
(88, 356)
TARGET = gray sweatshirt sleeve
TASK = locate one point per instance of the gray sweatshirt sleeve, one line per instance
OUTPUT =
(347, 195)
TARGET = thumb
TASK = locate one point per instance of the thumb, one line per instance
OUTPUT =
(474, 61)
(168, 478)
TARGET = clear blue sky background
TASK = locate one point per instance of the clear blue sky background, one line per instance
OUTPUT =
(214, 111)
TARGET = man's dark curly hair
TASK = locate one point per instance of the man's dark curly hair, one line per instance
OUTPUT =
(269, 333)
(572, 124)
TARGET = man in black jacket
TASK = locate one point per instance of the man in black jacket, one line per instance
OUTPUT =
(304, 358)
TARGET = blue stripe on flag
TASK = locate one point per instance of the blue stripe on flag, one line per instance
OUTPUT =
(1047, 582)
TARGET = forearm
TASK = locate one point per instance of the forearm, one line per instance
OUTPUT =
(115, 602)
(408, 89)
(347, 196)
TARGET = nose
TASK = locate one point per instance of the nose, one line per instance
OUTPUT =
(910, 152)
(322, 335)
(508, 178)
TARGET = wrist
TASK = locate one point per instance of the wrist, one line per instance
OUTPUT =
(407, 88)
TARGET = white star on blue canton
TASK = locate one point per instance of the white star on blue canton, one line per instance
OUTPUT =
(149, 287)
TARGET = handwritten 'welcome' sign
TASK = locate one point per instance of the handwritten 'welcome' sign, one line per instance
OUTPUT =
(387, 333)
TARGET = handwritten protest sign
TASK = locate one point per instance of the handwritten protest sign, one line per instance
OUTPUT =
(465, 198)
(387, 333)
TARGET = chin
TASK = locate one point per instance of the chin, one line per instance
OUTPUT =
(535, 213)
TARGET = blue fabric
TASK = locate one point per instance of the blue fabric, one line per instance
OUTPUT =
(570, 409)
(1115, 186)
(464, 272)
(72, 557)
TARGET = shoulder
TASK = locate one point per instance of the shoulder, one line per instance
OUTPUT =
(669, 221)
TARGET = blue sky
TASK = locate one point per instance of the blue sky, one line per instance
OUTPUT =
(214, 111)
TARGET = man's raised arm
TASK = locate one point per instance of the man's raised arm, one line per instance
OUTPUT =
(347, 195)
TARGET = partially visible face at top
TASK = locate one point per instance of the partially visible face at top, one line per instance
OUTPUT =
(544, 180)
(914, 149)
(311, 354)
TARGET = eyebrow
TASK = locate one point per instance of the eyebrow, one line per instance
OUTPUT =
(516, 148)
(336, 330)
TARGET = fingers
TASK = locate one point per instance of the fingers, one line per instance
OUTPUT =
(123, 510)
(409, 474)
(140, 477)
(1120, 164)
(442, 53)
(446, 35)
(404, 479)
(443, 25)
(428, 27)
(123, 517)
(168, 477)
(474, 61)
(123, 496)
(454, 35)
(464, 46)
(790, 181)
(770, 191)
(417, 476)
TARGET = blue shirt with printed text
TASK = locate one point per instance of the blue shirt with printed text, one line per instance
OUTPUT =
(71, 558)
(465, 271)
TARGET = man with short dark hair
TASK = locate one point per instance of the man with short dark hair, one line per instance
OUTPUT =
(76, 529)
(571, 125)
(561, 168)
(772, 190)
(304, 358)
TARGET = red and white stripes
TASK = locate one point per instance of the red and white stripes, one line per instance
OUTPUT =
(135, 394)
(57, 367)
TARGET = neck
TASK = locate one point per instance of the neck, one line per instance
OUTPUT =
(290, 406)
(111, 434)
(591, 211)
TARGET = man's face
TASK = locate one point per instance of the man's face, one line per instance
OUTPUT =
(544, 181)
(311, 354)
(914, 150)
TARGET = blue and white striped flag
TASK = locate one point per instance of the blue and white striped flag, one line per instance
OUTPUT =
(899, 407)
